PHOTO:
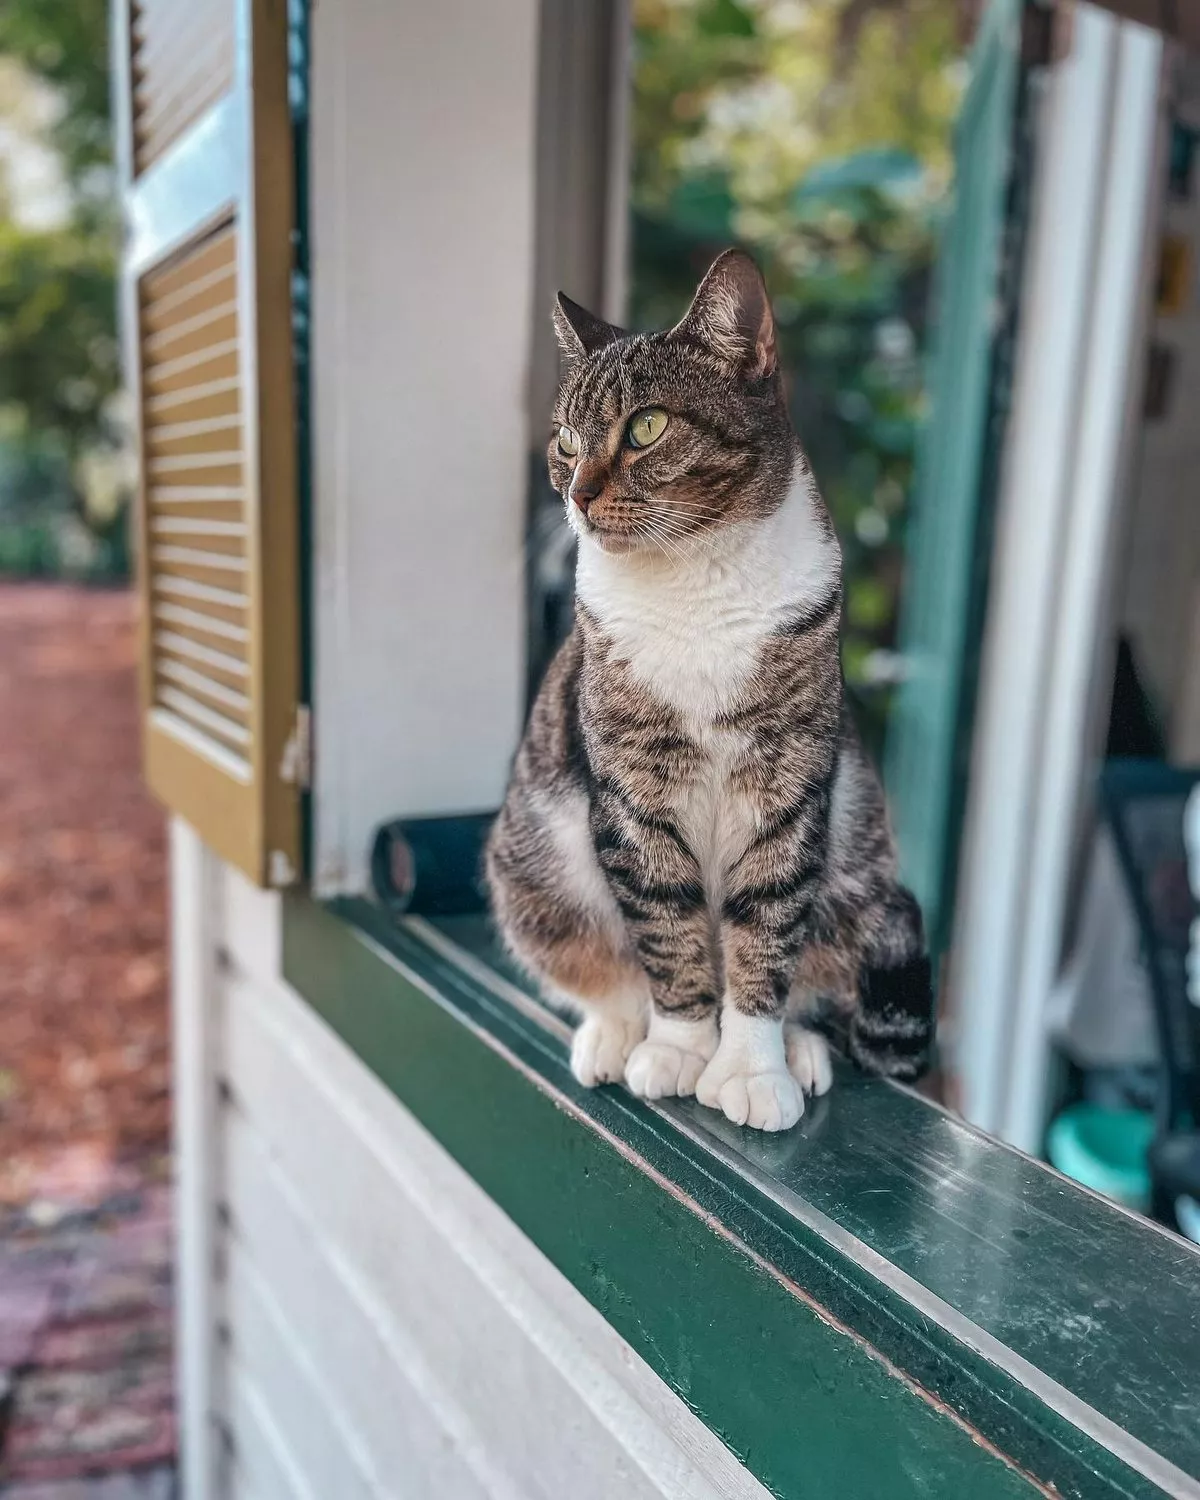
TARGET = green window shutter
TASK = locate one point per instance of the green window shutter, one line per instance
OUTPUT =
(928, 739)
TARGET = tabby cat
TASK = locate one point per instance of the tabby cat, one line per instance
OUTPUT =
(694, 852)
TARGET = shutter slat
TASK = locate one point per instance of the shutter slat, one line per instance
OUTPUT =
(201, 399)
(192, 295)
(223, 728)
(181, 62)
(224, 535)
(236, 705)
(165, 95)
(199, 625)
(176, 374)
(214, 253)
(190, 335)
(197, 468)
(228, 668)
(225, 604)
(192, 562)
(191, 437)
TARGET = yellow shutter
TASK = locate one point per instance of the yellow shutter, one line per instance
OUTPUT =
(208, 177)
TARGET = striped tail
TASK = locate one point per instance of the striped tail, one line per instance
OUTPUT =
(892, 1032)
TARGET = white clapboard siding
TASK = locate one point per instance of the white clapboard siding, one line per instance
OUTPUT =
(378, 1380)
(274, 1354)
(382, 1329)
(263, 1465)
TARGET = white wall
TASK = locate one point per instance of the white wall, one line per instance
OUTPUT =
(422, 140)
(372, 1324)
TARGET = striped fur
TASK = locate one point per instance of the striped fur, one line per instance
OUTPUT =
(694, 848)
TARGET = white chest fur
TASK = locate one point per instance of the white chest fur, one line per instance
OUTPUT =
(692, 630)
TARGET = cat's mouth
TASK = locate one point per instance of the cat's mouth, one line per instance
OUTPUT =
(616, 542)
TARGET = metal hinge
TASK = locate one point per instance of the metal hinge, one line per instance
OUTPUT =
(295, 765)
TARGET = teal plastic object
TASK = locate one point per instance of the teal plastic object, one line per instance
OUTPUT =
(1104, 1149)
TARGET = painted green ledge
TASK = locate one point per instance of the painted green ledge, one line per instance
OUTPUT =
(882, 1303)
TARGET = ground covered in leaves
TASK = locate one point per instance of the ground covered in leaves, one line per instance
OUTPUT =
(83, 969)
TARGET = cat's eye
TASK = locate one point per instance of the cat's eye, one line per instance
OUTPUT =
(568, 442)
(647, 427)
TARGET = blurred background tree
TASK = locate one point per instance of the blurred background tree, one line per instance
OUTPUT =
(65, 479)
(817, 133)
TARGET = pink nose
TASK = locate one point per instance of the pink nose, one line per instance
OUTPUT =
(584, 494)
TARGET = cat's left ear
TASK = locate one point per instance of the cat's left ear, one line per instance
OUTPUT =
(580, 332)
(731, 316)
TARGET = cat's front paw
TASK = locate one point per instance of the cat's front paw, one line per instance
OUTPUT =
(769, 1099)
(601, 1046)
(748, 1078)
(660, 1070)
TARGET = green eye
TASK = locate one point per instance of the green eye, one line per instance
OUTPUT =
(568, 442)
(647, 427)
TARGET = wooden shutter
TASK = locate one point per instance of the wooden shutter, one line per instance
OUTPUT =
(202, 88)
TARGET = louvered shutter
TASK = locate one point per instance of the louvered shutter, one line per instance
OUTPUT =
(202, 91)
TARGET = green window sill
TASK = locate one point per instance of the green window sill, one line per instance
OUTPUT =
(882, 1303)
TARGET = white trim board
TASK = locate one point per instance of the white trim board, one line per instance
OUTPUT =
(422, 205)
(193, 1052)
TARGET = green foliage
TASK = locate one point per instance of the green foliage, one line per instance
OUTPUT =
(59, 358)
(65, 43)
(819, 136)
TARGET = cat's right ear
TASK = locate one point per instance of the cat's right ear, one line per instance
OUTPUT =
(580, 332)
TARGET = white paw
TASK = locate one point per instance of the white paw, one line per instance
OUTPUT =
(600, 1047)
(770, 1100)
(660, 1070)
(808, 1060)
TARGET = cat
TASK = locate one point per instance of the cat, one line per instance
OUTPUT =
(694, 853)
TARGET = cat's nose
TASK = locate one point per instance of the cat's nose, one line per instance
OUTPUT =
(584, 493)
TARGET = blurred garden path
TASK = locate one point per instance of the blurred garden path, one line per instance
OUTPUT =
(85, 1301)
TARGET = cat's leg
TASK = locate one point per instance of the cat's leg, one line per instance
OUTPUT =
(766, 926)
(658, 888)
(748, 1078)
(558, 918)
(892, 1028)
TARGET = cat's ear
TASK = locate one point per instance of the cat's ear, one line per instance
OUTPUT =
(580, 332)
(731, 316)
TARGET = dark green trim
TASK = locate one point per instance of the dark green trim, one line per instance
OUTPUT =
(820, 1373)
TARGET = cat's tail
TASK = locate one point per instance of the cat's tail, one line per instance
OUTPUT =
(892, 1030)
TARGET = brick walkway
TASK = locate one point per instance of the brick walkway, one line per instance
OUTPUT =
(85, 1350)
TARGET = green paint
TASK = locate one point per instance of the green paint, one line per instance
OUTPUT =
(942, 622)
(1015, 1249)
(810, 1409)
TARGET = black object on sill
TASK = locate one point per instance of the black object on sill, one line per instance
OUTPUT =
(431, 867)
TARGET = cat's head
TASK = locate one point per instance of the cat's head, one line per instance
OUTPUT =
(659, 437)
